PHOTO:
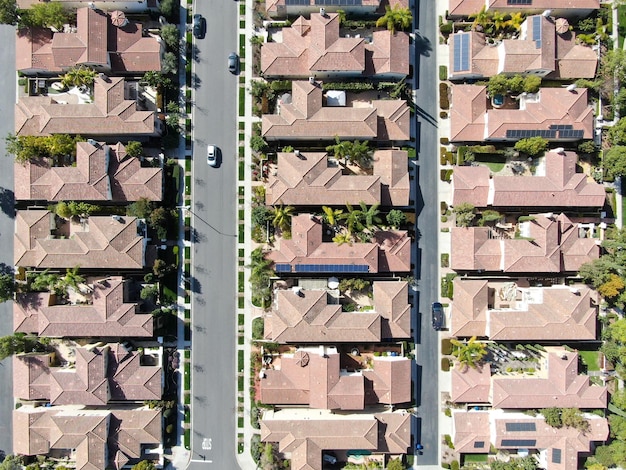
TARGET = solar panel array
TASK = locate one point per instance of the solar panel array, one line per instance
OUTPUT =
(339, 2)
(297, 2)
(479, 445)
(556, 455)
(520, 427)
(282, 268)
(331, 268)
(525, 133)
(571, 134)
(560, 127)
(519, 443)
(519, 2)
(461, 52)
(537, 31)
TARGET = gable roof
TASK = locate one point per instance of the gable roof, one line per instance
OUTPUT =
(550, 245)
(315, 46)
(307, 316)
(109, 114)
(97, 242)
(390, 251)
(304, 436)
(102, 173)
(561, 186)
(305, 118)
(107, 316)
(554, 55)
(309, 179)
(473, 119)
(96, 42)
(505, 311)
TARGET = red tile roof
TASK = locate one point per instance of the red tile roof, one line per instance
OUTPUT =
(568, 8)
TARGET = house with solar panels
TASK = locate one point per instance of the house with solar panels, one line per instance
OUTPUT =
(566, 8)
(284, 8)
(546, 47)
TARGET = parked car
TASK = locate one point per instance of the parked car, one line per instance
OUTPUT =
(211, 157)
(437, 314)
(199, 26)
(233, 63)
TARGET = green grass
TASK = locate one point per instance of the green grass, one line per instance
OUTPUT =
(241, 319)
(188, 164)
(187, 438)
(187, 354)
(621, 19)
(623, 210)
(240, 422)
(187, 376)
(240, 361)
(187, 314)
(241, 214)
(240, 383)
(240, 252)
(242, 24)
(187, 252)
(242, 8)
(242, 282)
(187, 398)
(242, 101)
(242, 40)
(242, 170)
(241, 340)
(240, 302)
(242, 126)
(590, 358)
(169, 294)
(494, 167)
(242, 234)
(474, 458)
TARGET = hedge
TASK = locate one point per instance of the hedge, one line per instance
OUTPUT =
(444, 101)
(443, 72)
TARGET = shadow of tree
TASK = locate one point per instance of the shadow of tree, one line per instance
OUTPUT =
(7, 202)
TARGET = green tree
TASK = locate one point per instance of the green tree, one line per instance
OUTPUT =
(158, 220)
(7, 287)
(260, 216)
(63, 210)
(144, 465)
(395, 464)
(258, 144)
(489, 215)
(573, 418)
(356, 152)
(499, 21)
(617, 133)
(482, 19)
(149, 292)
(370, 215)
(464, 214)
(396, 218)
(170, 36)
(168, 8)
(617, 426)
(79, 75)
(618, 452)
(82, 209)
(532, 146)
(353, 219)
(343, 237)
(282, 217)
(468, 353)
(169, 63)
(613, 64)
(396, 18)
(331, 216)
(45, 15)
(134, 149)
(618, 398)
(12, 462)
(604, 456)
(15, 344)
(8, 12)
(45, 281)
(498, 85)
(516, 84)
(25, 148)
(156, 80)
(515, 21)
(141, 208)
(260, 278)
(72, 278)
(531, 84)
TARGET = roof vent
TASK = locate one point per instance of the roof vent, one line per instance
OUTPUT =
(323, 12)
(546, 13)
(559, 150)
(92, 142)
(116, 217)
(312, 80)
(571, 87)
(92, 5)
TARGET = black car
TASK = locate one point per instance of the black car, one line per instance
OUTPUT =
(233, 63)
(199, 26)
(437, 313)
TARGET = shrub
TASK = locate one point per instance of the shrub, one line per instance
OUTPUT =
(444, 100)
(446, 347)
(444, 141)
(443, 207)
(587, 146)
(258, 328)
(445, 364)
(448, 441)
(532, 146)
(448, 412)
(443, 114)
(445, 260)
(443, 72)
(446, 28)
(454, 465)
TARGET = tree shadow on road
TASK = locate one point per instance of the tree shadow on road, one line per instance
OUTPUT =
(7, 202)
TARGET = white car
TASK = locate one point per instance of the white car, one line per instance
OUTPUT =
(211, 158)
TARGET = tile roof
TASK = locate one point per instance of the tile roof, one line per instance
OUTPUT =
(109, 114)
(470, 385)
(305, 118)
(558, 55)
(473, 119)
(102, 173)
(474, 431)
(561, 186)
(107, 316)
(283, 7)
(314, 46)
(94, 437)
(569, 8)
(390, 251)
(307, 317)
(303, 436)
(312, 377)
(550, 245)
(96, 43)
(308, 179)
(100, 374)
(98, 242)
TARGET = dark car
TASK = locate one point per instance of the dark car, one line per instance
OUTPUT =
(199, 26)
(437, 313)
(233, 63)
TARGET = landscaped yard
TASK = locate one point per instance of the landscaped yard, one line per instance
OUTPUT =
(621, 18)
(495, 167)
(474, 458)
(590, 358)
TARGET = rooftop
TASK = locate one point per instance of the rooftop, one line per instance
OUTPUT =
(580, 8)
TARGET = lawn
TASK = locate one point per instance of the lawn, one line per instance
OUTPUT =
(623, 209)
(495, 167)
(621, 19)
(474, 458)
(590, 358)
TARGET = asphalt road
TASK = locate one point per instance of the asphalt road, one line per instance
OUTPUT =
(7, 217)
(214, 242)
(427, 393)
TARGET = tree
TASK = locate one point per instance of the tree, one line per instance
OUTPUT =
(12, 462)
(149, 292)
(468, 353)
(357, 152)
(531, 84)
(499, 21)
(596, 466)
(612, 288)
(613, 65)
(515, 21)
(144, 465)
(158, 220)
(170, 36)
(614, 161)
(160, 268)
(395, 464)
(72, 278)
(498, 85)
(464, 214)
(7, 286)
(15, 344)
(169, 63)
(343, 237)
(82, 209)
(353, 219)
(397, 17)
(604, 456)
(168, 8)
(79, 75)
(573, 418)
(260, 216)
(552, 416)
(45, 281)
(8, 12)
(45, 15)
(134, 149)
(63, 210)
(258, 144)
(618, 399)
(156, 80)
(396, 218)
(482, 19)
(282, 217)
(370, 215)
(331, 216)
(141, 208)
(489, 215)
(532, 146)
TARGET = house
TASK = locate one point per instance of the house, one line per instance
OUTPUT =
(284, 8)
(315, 316)
(44, 240)
(557, 448)
(302, 116)
(101, 173)
(108, 43)
(566, 8)
(92, 439)
(315, 48)
(314, 179)
(97, 376)
(557, 114)
(107, 314)
(110, 113)
(544, 244)
(308, 252)
(559, 186)
(515, 311)
(554, 382)
(313, 377)
(542, 49)
(304, 434)
(128, 6)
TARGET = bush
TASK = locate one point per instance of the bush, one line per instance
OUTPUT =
(445, 260)
(448, 441)
(444, 141)
(443, 207)
(587, 146)
(443, 114)
(532, 146)
(258, 328)
(446, 29)
(445, 364)
(443, 72)
(454, 465)
(444, 99)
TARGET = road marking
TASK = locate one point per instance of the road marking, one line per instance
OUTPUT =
(207, 443)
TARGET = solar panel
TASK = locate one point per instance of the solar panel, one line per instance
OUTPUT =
(560, 127)
(556, 455)
(571, 134)
(479, 445)
(518, 427)
(297, 2)
(282, 268)
(519, 2)
(461, 52)
(537, 31)
(519, 443)
(331, 268)
(526, 133)
(337, 2)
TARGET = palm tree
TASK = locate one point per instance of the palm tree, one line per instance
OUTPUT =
(360, 153)
(45, 281)
(331, 216)
(516, 20)
(72, 278)
(499, 21)
(396, 18)
(340, 149)
(481, 19)
(353, 219)
(370, 215)
(343, 237)
(79, 76)
(470, 353)
(282, 217)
